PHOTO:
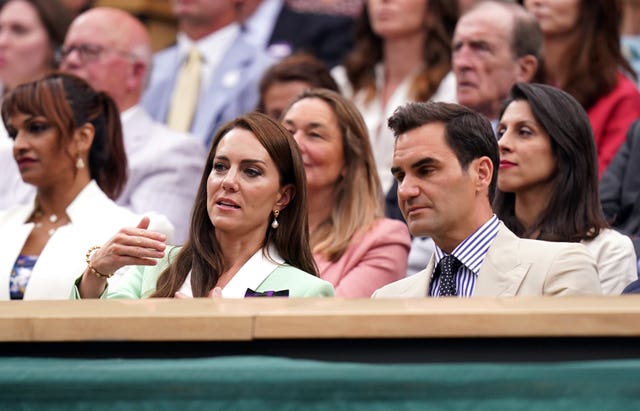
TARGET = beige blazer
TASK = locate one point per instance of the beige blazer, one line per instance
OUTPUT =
(515, 266)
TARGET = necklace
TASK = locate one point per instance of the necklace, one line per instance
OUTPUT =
(39, 218)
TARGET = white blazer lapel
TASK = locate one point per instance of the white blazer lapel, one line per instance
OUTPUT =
(252, 274)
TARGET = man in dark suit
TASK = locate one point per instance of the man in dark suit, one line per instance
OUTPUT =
(281, 30)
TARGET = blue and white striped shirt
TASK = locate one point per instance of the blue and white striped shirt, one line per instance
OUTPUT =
(471, 253)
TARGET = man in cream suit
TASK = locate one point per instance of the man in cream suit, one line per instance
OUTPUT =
(229, 68)
(445, 161)
(111, 50)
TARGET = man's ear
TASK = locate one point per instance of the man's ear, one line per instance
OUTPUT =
(527, 68)
(286, 195)
(138, 76)
(483, 168)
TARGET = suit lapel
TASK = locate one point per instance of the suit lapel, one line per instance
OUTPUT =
(502, 271)
(417, 285)
(226, 82)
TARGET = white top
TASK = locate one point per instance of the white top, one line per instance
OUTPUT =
(615, 258)
(212, 48)
(250, 275)
(376, 116)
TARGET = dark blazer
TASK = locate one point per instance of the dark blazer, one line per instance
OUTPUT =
(620, 187)
(326, 36)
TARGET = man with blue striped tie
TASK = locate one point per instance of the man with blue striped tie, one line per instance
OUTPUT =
(445, 161)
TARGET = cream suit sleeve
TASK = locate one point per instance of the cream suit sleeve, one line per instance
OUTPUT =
(572, 271)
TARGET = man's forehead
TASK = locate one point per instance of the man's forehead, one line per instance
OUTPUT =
(421, 141)
(487, 22)
(93, 29)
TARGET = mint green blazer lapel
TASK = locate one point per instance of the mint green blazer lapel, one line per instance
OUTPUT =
(298, 282)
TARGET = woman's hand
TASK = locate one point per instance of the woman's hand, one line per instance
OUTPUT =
(130, 246)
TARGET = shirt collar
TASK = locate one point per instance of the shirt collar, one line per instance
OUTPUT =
(212, 46)
(473, 249)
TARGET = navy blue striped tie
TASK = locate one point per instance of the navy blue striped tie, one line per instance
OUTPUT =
(447, 268)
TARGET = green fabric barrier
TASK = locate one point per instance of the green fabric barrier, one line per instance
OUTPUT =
(268, 383)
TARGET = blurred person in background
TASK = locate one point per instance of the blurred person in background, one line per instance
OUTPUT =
(163, 165)
(285, 80)
(402, 52)
(30, 32)
(354, 246)
(582, 56)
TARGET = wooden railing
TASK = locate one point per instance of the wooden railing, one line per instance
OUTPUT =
(274, 318)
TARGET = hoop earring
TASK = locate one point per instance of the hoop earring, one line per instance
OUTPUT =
(274, 223)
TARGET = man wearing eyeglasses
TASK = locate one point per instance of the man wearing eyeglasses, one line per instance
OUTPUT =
(112, 51)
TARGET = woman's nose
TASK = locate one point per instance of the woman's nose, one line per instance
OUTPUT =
(229, 182)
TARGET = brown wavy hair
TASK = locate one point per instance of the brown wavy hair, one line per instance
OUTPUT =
(202, 256)
(367, 52)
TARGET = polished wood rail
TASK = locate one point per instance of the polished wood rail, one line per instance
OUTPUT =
(275, 318)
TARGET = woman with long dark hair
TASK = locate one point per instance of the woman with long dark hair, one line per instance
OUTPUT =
(248, 231)
(548, 180)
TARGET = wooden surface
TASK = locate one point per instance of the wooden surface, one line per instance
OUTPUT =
(271, 318)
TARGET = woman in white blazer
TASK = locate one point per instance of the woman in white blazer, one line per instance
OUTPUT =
(548, 180)
(68, 144)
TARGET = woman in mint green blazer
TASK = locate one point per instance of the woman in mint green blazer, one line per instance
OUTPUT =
(248, 233)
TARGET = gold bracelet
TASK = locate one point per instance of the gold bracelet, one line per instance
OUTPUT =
(87, 258)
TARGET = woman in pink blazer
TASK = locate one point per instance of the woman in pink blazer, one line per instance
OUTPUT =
(354, 246)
